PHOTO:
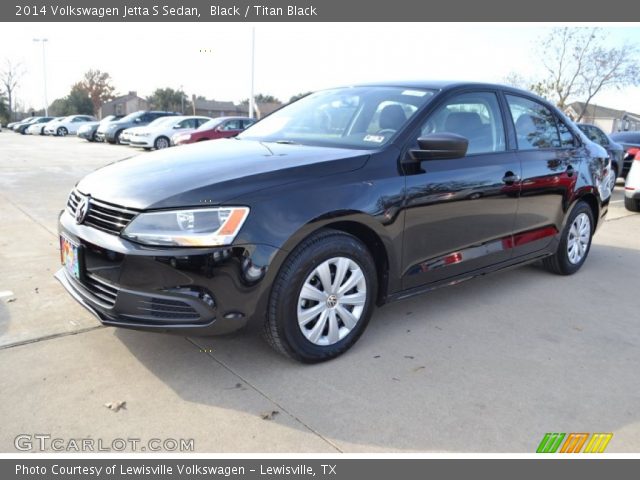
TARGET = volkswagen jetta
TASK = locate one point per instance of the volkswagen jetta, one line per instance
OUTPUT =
(348, 198)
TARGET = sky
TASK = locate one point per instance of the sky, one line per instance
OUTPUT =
(214, 59)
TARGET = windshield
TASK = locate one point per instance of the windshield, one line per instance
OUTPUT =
(162, 120)
(211, 124)
(131, 116)
(356, 117)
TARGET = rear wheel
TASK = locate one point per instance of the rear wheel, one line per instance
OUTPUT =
(322, 298)
(632, 204)
(575, 242)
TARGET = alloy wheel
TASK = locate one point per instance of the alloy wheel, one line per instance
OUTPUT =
(578, 239)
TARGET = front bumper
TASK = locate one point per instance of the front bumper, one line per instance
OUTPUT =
(193, 291)
(144, 142)
(86, 134)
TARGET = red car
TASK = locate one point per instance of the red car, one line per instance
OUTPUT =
(221, 127)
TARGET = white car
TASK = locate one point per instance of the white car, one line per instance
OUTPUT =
(68, 125)
(632, 186)
(37, 127)
(159, 132)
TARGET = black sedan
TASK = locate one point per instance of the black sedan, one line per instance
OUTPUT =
(630, 142)
(346, 199)
(615, 150)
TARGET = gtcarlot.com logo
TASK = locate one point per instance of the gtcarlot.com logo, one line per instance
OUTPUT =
(573, 442)
(45, 443)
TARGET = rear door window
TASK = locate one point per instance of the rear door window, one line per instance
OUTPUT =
(534, 123)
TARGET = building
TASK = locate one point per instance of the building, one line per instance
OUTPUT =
(214, 108)
(123, 105)
(608, 119)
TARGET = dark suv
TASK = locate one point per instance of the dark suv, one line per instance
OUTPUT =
(111, 131)
(346, 199)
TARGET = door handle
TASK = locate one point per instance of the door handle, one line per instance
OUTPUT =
(510, 178)
(570, 171)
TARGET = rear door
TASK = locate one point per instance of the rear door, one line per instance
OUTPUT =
(460, 213)
(550, 157)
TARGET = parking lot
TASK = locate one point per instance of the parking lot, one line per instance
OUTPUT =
(489, 365)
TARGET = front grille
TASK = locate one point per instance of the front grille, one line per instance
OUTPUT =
(102, 215)
(168, 309)
(103, 291)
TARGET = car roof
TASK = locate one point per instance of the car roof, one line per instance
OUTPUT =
(443, 85)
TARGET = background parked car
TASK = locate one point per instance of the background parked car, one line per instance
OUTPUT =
(68, 125)
(159, 132)
(615, 150)
(630, 141)
(35, 128)
(221, 127)
(88, 130)
(55, 119)
(111, 131)
(20, 126)
(632, 186)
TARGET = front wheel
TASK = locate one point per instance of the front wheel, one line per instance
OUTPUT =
(575, 242)
(322, 298)
(61, 132)
(161, 142)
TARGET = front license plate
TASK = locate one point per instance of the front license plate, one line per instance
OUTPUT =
(70, 256)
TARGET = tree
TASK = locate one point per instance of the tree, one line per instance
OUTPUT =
(299, 96)
(168, 99)
(4, 108)
(261, 98)
(78, 101)
(98, 86)
(10, 77)
(579, 64)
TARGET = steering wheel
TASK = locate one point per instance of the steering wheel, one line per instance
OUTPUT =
(386, 131)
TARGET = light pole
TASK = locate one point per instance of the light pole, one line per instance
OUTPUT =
(44, 74)
(182, 99)
(253, 64)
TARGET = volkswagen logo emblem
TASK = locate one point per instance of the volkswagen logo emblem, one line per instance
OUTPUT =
(332, 301)
(82, 209)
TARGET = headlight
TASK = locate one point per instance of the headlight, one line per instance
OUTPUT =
(198, 227)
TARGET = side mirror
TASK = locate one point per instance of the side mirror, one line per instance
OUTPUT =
(137, 120)
(440, 146)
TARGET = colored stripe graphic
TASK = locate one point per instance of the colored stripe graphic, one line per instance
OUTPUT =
(598, 443)
(574, 443)
(550, 443)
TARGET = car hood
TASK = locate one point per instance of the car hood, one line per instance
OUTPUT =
(213, 172)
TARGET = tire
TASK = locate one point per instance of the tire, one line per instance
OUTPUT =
(116, 138)
(304, 343)
(61, 132)
(161, 142)
(93, 137)
(42, 131)
(632, 204)
(578, 236)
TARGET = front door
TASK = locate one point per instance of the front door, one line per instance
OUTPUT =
(460, 213)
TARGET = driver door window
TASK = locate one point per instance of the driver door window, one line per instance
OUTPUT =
(475, 116)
